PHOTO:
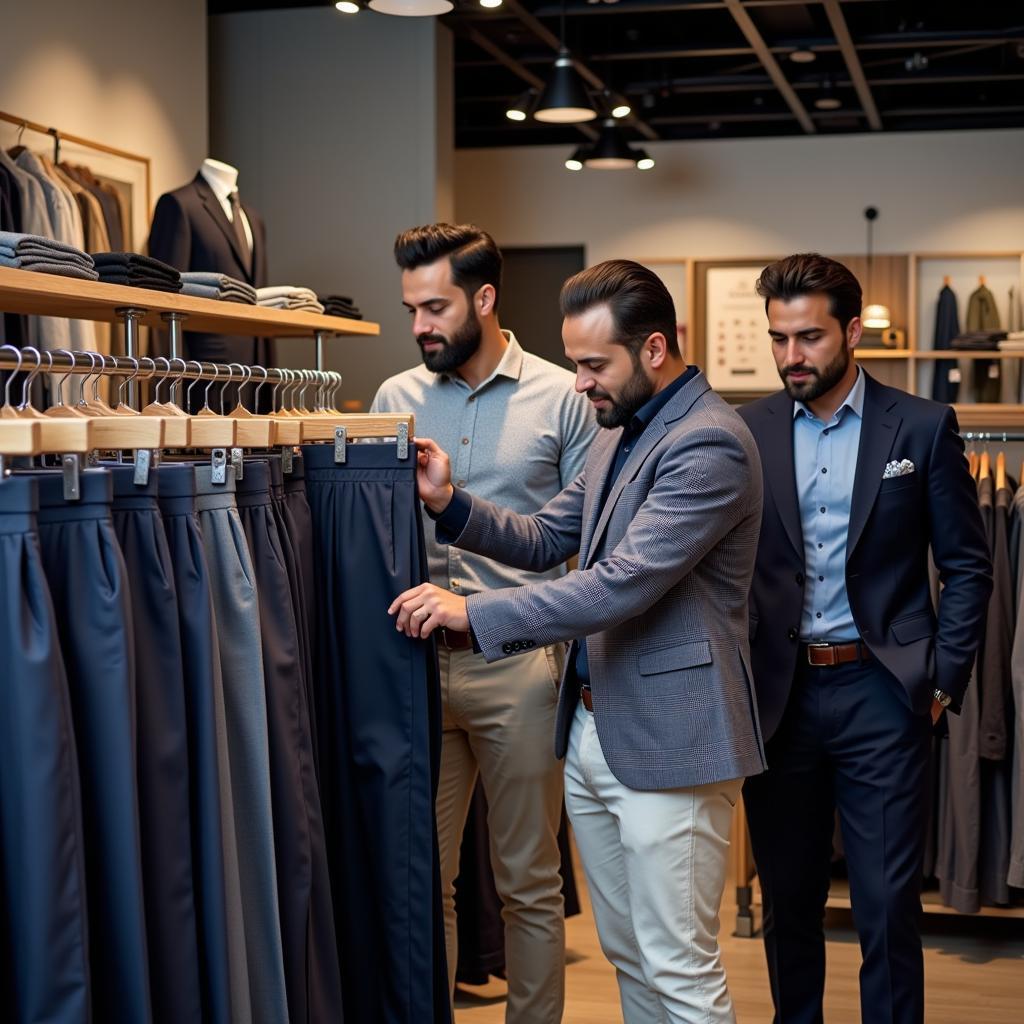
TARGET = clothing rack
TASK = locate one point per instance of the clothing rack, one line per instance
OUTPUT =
(1003, 436)
(57, 135)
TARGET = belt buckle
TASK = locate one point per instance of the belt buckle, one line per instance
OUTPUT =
(820, 646)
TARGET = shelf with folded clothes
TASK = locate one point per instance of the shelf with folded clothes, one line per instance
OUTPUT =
(23, 291)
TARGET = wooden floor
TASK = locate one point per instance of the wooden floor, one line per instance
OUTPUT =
(974, 974)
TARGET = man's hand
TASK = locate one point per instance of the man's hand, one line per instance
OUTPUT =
(426, 608)
(433, 475)
(937, 710)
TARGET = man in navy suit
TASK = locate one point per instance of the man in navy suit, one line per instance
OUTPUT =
(852, 665)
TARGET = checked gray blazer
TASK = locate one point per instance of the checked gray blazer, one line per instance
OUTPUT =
(661, 593)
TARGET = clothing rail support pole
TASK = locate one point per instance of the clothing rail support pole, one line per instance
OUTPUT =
(319, 337)
(131, 316)
(174, 322)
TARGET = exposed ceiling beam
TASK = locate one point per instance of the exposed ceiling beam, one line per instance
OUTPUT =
(771, 65)
(516, 68)
(584, 9)
(849, 52)
(542, 32)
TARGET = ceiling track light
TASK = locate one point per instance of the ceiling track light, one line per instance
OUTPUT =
(575, 162)
(412, 8)
(611, 151)
(803, 56)
(828, 100)
(490, 3)
(347, 7)
(520, 110)
(564, 99)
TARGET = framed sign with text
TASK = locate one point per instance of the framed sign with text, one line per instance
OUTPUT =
(738, 356)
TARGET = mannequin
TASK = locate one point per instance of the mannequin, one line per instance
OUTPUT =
(193, 229)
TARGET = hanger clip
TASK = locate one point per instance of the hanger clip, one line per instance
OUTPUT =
(340, 441)
(4, 470)
(92, 459)
(403, 440)
(237, 463)
(142, 463)
(71, 466)
(287, 458)
(219, 464)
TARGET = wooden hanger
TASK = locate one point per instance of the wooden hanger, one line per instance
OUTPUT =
(985, 467)
(211, 429)
(359, 425)
(251, 431)
(972, 463)
(945, 280)
(981, 280)
(1000, 470)
(177, 428)
(24, 410)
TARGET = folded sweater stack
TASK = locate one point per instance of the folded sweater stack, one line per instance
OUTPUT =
(340, 305)
(287, 296)
(137, 271)
(44, 256)
(206, 284)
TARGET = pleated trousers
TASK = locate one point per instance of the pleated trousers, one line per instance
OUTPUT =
(236, 611)
(44, 956)
(161, 751)
(88, 581)
(378, 717)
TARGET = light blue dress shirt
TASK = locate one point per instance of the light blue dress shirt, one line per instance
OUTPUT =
(825, 462)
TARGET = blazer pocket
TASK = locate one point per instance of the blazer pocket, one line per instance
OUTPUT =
(919, 626)
(671, 659)
(898, 483)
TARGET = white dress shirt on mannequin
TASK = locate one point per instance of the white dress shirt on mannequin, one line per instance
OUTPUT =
(223, 179)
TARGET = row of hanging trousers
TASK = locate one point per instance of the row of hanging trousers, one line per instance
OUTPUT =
(217, 756)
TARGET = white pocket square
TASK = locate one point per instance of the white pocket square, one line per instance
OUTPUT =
(899, 467)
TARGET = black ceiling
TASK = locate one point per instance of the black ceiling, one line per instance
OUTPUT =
(695, 69)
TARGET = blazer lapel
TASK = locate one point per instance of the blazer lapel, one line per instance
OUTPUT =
(779, 470)
(602, 467)
(216, 211)
(878, 433)
(676, 409)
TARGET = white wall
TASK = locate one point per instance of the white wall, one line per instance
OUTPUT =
(129, 73)
(936, 191)
(341, 129)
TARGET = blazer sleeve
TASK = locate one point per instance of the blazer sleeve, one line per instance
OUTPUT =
(694, 502)
(961, 556)
(170, 236)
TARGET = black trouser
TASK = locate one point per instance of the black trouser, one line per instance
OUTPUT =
(162, 752)
(304, 894)
(378, 715)
(203, 692)
(86, 574)
(44, 956)
(847, 741)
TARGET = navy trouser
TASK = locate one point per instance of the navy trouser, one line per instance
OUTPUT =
(378, 717)
(847, 741)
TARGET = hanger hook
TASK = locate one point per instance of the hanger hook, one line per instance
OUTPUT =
(93, 376)
(206, 393)
(82, 382)
(11, 376)
(103, 369)
(289, 378)
(306, 381)
(231, 377)
(162, 377)
(27, 382)
(256, 393)
(247, 373)
(127, 380)
(64, 376)
(192, 383)
(176, 383)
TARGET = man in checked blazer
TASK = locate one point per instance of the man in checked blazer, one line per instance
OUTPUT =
(851, 663)
(656, 719)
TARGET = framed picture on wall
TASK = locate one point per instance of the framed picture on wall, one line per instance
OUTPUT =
(737, 354)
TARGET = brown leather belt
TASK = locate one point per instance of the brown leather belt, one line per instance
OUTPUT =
(453, 640)
(821, 655)
(587, 697)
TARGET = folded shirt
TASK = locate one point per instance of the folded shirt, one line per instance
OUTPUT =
(981, 341)
(15, 243)
(307, 305)
(135, 262)
(155, 282)
(225, 294)
(285, 291)
(39, 265)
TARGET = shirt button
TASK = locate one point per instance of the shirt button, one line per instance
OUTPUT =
(821, 579)
(824, 470)
(817, 615)
(472, 398)
(460, 483)
(822, 509)
(792, 634)
(820, 546)
(800, 579)
(465, 440)
(825, 432)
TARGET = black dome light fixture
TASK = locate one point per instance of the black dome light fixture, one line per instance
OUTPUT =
(564, 99)
(611, 152)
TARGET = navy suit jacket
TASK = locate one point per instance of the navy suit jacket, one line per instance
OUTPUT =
(892, 525)
(190, 231)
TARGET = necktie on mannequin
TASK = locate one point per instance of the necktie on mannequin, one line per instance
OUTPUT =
(239, 229)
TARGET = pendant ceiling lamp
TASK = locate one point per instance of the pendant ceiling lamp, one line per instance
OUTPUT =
(875, 316)
(611, 151)
(564, 99)
(412, 8)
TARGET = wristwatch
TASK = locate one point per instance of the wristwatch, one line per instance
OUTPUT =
(943, 698)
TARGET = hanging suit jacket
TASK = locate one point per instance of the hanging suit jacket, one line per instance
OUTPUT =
(892, 524)
(190, 231)
(947, 327)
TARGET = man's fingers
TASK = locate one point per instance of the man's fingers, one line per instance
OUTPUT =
(425, 444)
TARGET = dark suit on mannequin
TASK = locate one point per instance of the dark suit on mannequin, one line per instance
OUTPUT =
(190, 231)
(855, 736)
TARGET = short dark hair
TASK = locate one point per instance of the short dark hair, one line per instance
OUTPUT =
(638, 299)
(808, 273)
(475, 258)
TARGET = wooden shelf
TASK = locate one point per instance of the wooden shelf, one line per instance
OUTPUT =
(882, 353)
(952, 353)
(23, 291)
(985, 416)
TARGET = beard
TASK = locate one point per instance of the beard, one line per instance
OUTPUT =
(821, 382)
(635, 394)
(462, 345)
